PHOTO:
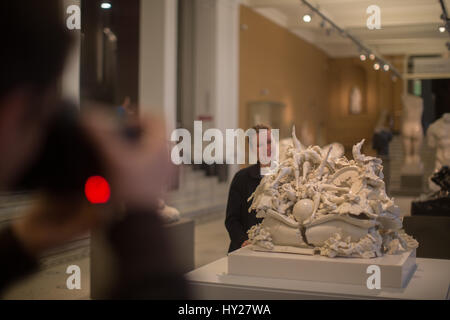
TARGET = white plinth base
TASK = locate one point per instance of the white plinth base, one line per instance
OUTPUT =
(285, 249)
(396, 270)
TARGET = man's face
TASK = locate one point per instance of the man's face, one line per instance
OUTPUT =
(24, 118)
(264, 146)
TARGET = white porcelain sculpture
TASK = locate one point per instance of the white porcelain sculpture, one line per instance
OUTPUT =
(316, 203)
(286, 143)
(168, 214)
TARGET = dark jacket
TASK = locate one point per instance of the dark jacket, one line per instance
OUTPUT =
(15, 262)
(380, 142)
(238, 220)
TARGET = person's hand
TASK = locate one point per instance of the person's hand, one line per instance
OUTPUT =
(140, 171)
(245, 243)
(53, 221)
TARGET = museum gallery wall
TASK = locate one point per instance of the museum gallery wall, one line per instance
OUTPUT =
(278, 66)
(378, 91)
(275, 65)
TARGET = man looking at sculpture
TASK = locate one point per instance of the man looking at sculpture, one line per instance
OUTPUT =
(238, 220)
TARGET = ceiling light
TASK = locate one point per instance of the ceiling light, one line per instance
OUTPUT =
(105, 5)
(386, 67)
(441, 29)
(364, 52)
(376, 66)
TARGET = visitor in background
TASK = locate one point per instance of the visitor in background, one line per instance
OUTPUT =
(125, 110)
(382, 136)
(238, 220)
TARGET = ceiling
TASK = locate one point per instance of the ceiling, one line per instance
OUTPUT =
(408, 27)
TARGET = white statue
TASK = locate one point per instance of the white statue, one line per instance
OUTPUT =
(438, 136)
(314, 202)
(285, 144)
(337, 150)
(355, 101)
(169, 214)
(412, 133)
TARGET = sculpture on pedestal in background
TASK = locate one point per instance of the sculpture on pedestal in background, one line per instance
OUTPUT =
(338, 207)
(382, 135)
(412, 133)
(436, 203)
(355, 106)
(438, 136)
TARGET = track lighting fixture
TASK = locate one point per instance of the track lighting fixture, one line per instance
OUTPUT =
(365, 53)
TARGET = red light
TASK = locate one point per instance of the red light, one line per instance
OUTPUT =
(97, 189)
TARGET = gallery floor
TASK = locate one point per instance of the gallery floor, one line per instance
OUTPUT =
(211, 243)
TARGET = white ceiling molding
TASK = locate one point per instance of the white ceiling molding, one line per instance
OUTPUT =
(408, 27)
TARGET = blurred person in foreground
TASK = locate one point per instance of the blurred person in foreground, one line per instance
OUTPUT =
(238, 220)
(35, 43)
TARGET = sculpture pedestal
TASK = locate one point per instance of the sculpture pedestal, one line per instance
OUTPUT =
(396, 270)
(434, 207)
(213, 282)
(411, 180)
(181, 235)
(102, 263)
